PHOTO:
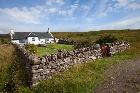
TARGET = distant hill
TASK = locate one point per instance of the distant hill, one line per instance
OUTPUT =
(93, 35)
(5, 36)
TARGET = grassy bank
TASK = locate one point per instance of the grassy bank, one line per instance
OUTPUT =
(6, 57)
(81, 78)
(12, 72)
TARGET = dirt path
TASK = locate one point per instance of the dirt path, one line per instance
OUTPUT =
(122, 78)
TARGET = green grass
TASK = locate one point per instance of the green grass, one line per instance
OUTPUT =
(82, 78)
(13, 76)
(53, 48)
(6, 59)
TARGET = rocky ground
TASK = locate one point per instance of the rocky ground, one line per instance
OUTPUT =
(122, 78)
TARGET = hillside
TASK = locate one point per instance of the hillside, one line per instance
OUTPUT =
(93, 35)
(7, 36)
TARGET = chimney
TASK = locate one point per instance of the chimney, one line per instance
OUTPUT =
(48, 30)
(12, 33)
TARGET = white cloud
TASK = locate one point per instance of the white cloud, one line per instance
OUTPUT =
(51, 2)
(36, 13)
(87, 8)
(52, 10)
(31, 15)
(62, 12)
(135, 5)
(89, 12)
(102, 9)
(123, 2)
(68, 10)
(127, 22)
(127, 4)
(72, 9)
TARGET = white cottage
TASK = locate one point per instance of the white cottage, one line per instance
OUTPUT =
(31, 37)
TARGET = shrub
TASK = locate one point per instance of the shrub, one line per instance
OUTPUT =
(4, 41)
(42, 45)
(106, 39)
(32, 48)
(84, 43)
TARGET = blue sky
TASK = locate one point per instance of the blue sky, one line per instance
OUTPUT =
(68, 15)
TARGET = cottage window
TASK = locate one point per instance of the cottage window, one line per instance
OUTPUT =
(33, 39)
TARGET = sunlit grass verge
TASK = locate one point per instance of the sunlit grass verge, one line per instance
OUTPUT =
(81, 78)
(13, 76)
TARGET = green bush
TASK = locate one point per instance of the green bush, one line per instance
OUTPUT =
(4, 41)
(106, 39)
(32, 48)
(84, 43)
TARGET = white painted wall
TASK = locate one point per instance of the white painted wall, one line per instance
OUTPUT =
(36, 42)
(42, 41)
(23, 41)
(50, 40)
(30, 40)
(15, 41)
(56, 40)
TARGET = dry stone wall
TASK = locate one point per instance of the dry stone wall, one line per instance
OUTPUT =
(49, 65)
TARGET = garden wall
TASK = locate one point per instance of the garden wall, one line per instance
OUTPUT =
(44, 68)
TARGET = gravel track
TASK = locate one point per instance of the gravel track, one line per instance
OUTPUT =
(121, 78)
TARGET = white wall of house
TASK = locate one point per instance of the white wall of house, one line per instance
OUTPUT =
(15, 41)
(22, 41)
(33, 40)
(56, 40)
(42, 41)
(50, 40)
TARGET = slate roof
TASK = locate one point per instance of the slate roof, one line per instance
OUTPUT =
(24, 35)
(32, 35)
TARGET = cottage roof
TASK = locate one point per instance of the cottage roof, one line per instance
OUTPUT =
(24, 35)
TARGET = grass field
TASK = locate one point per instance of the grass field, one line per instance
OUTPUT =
(85, 77)
(53, 48)
(82, 78)
(93, 35)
